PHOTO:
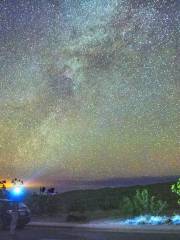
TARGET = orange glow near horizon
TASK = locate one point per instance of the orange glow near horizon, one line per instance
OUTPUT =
(26, 184)
(8, 183)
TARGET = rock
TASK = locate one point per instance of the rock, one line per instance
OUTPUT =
(168, 221)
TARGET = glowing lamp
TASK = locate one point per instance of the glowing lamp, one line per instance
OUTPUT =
(17, 191)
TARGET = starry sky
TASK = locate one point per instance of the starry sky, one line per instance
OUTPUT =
(89, 89)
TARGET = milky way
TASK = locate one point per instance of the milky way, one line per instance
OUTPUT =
(89, 89)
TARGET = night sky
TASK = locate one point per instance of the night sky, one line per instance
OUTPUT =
(89, 89)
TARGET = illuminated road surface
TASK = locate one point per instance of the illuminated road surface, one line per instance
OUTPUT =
(79, 234)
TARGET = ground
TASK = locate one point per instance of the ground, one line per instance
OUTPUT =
(30, 233)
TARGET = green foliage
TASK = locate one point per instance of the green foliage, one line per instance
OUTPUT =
(143, 203)
(175, 188)
(77, 206)
(103, 200)
(43, 204)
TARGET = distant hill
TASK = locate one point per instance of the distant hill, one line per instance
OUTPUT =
(109, 198)
(71, 185)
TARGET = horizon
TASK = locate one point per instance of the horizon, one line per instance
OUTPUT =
(68, 186)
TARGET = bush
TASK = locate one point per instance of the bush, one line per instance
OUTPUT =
(142, 203)
(79, 206)
(43, 204)
(176, 189)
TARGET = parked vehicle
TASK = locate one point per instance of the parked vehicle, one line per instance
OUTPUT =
(24, 214)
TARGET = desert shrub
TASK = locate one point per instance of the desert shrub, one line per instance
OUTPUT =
(108, 204)
(143, 203)
(43, 204)
(77, 206)
(52, 206)
(176, 189)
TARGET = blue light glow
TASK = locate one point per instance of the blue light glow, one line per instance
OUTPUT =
(138, 220)
(17, 193)
(17, 190)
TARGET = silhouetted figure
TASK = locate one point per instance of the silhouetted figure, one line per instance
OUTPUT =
(42, 190)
